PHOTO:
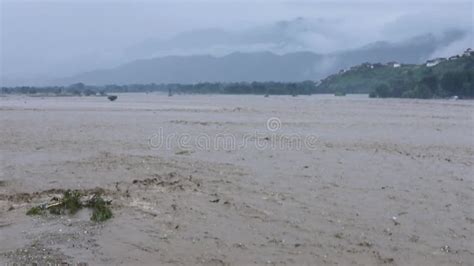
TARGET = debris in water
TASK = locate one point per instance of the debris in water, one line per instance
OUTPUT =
(71, 204)
(394, 219)
(446, 249)
(414, 238)
(365, 244)
(37, 210)
(112, 98)
(101, 211)
(183, 152)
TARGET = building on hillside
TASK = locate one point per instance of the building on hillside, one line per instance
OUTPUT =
(394, 64)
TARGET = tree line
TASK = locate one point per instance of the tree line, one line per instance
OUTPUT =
(263, 88)
(459, 84)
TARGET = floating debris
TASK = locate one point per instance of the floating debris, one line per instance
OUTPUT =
(394, 219)
(101, 212)
(183, 152)
(71, 203)
(37, 210)
(414, 238)
(365, 244)
(112, 98)
(446, 249)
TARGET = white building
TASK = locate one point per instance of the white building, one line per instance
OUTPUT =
(394, 64)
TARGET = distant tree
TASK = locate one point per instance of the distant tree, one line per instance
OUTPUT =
(431, 82)
(452, 82)
(89, 92)
(292, 88)
(382, 91)
(77, 86)
(422, 91)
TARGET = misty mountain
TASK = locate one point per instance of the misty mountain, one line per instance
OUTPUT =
(412, 51)
(285, 36)
(264, 66)
(259, 66)
(279, 37)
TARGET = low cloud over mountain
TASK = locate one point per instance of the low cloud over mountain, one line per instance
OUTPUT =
(265, 66)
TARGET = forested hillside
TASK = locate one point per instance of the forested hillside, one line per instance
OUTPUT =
(437, 78)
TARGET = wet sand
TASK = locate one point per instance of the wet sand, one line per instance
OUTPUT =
(388, 182)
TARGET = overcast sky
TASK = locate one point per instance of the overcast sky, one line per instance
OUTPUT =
(56, 38)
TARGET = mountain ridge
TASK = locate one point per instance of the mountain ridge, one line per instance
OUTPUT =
(264, 65)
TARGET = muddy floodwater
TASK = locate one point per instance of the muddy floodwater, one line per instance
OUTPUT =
(240, 180)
